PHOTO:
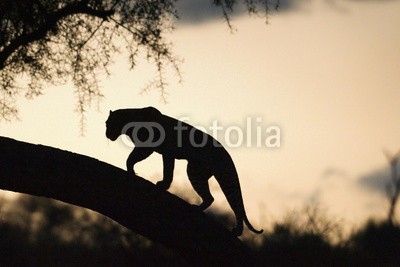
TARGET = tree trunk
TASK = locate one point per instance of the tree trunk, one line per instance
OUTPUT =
(131, 201)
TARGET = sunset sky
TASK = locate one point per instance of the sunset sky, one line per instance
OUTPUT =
(327, 73)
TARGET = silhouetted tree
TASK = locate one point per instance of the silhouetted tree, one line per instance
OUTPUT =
(376, 244)
(51, 41)
(393, 188)
(303, 239)
(38, 231)
(130, 200)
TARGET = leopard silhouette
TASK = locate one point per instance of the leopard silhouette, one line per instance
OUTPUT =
(150, 131)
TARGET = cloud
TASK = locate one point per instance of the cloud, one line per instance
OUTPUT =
(333, 172)
(198, 11)
(332, 179)
(340, 5)
(377, 180)
(367, 0)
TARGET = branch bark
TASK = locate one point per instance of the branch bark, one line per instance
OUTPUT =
(131, 201)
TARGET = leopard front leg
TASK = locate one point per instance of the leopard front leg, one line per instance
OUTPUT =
(137, 154)
(168, 172)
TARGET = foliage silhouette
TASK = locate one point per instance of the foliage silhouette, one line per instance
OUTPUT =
(53, 41)
(287, 247)
(41, 231)
(377, 244)
(292, 244)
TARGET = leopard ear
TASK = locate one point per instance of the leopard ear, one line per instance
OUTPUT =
(110, 112)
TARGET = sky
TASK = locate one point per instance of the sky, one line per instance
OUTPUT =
(326, 73)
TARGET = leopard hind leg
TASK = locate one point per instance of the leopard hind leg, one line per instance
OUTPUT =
(199, 174)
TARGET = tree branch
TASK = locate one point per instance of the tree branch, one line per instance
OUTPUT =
(132, 201)
(50, 23)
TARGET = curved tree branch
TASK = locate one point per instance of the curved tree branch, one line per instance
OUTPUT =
(132, 201)
(50, 23)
